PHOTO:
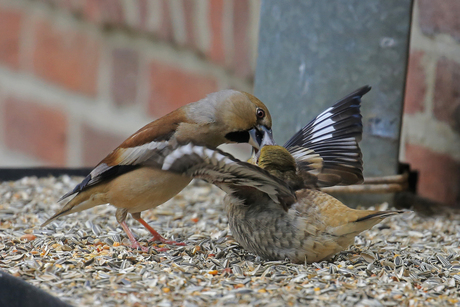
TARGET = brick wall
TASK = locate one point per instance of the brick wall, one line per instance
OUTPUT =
(78, 76)
(431, 123)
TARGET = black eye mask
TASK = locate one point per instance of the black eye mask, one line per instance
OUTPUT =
(238, 136)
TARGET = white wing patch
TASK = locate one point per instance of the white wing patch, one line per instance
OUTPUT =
(190, 149)
(99, 170)
(139, 154)
(325, 114)
(323, 124)
(302, 153)
(317, 138)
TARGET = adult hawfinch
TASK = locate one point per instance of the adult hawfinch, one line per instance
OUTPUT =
(131, 179)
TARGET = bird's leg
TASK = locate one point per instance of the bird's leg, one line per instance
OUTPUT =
(155, 234)
(134, 243)
(121, 217)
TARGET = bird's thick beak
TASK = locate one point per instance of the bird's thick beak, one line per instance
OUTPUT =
(260, 134)
(261, 141)
(267, 139)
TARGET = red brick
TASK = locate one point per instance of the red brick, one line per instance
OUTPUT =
(440, 17)
(74, 6)
(172, 87)
(97, 144)
(439, 174)
(216, 15)
(61, 3)
(66, 57)
(109, 12)
(125, 71)
(447, 92)
(189, 10)
(71, 5)
(415, 84)
(143, 10)
(36, 130)
(241, 52)
(10, 30)
(92, 11)
(166, 28)
(48, 1)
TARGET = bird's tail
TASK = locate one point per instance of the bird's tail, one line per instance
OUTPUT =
(366, 220)
(378, 215)
(82, 201)
(55, 216)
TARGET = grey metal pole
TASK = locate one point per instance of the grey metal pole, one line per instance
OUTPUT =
(312, 53)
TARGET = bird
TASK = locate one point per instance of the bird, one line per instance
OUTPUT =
(131, 179)
(268, 213)
(274, 208)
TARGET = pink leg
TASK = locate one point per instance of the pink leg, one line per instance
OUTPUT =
(134, 243)
(156, 235)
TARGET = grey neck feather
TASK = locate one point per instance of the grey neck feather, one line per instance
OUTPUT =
(204, 111)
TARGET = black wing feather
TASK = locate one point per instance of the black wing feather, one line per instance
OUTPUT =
(333, 136)
(107, 174)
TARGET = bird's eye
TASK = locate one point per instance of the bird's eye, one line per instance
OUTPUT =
(260, 113)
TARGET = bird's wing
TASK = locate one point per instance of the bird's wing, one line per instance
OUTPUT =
(228, 173)
(327, 147)
(141, 148)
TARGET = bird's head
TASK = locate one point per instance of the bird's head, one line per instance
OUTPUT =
(228, 116)
(279, 162)
(274, 157)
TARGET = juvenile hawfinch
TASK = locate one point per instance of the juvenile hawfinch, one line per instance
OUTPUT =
(265, 214)
(274, 210)
(131, 179)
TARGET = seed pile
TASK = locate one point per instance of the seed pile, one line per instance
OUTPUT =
(83, 260)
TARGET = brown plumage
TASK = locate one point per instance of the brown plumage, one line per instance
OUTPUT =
(130, 177)
(266, 216)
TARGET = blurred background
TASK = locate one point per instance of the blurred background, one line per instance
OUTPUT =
(79, 76)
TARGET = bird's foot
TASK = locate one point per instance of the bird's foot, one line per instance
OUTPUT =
(163, 240)
(146, 249)
(156, 235)
(137, 246)
(161, 249)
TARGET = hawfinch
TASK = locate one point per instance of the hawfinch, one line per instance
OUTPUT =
(130, 179)
(265, 214)
(274, 209)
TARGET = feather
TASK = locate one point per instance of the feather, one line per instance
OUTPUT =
(128, 159)
(227, 172)
(328, 145)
